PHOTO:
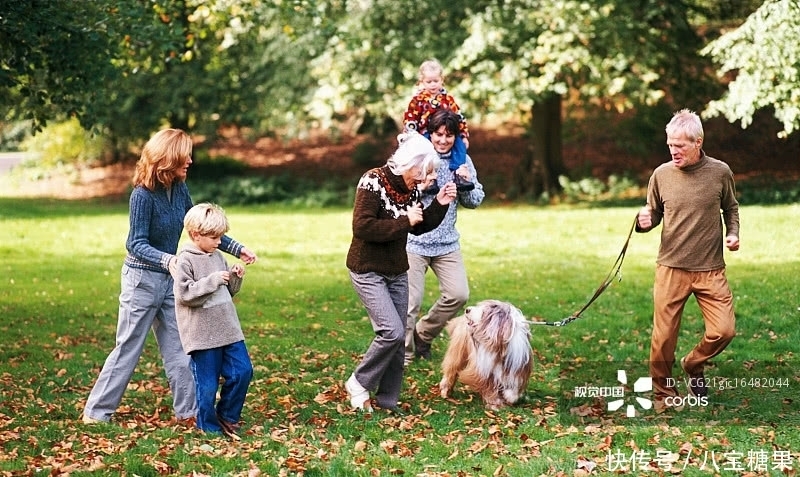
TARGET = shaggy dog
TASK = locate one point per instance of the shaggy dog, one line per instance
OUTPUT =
(490, 352)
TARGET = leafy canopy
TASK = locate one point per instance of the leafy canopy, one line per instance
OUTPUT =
(764, 56)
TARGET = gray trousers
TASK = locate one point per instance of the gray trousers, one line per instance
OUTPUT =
(146, 301)
(386, 300)
(453, 295)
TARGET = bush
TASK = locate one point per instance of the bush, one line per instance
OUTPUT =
(205, 167)
(12, 135)
(283, 189)
(592, 189)
(65, 144)
(369, 153)
(768, 190)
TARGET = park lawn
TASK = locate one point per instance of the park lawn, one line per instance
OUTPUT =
(306, 330)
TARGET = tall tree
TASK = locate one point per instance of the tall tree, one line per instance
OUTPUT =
(763, 58)
(615, 54)
(522, 56)
(55, 56)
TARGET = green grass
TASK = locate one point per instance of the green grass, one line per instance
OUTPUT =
(306, 329)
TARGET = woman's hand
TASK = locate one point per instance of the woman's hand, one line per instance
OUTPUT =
(415, 214)
(247, 256)
(447, 194)
(173, 266)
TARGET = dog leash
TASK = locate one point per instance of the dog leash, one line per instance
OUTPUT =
(616, 272)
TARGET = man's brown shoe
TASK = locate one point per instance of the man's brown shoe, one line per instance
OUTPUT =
(697, 381)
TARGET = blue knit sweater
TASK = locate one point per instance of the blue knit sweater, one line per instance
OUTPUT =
(444, 238)
(156, 224)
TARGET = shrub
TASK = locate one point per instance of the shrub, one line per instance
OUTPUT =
(205, 167)
(65, 144)
(592, 189)
(283, 189)
(369, 153)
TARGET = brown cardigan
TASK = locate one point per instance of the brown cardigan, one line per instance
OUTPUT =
(381, 226)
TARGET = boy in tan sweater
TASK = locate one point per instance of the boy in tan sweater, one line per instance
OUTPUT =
(208, 323)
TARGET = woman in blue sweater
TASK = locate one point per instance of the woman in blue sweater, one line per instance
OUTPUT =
(158, 203)
(439, 249)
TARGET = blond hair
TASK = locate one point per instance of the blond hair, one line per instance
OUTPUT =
(430, 66)
(162, 156)
(685, 123)
(206, 219)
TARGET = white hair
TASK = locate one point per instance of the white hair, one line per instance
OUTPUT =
(685, 123)
(414, 150)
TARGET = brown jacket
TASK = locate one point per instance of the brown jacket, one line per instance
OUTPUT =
(381, 226)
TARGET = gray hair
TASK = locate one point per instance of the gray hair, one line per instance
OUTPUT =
(685, 123)
(414, 150)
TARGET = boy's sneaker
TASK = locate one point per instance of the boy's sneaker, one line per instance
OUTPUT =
(697, 381)
(359, 397)
(462, 185)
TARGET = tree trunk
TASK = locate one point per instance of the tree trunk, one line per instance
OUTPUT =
(544, 162)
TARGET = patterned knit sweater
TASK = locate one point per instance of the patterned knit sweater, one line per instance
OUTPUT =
(380, 223)
(688, 201)
(156, 224)
(444, 239)
(204, 306)
(425, 103)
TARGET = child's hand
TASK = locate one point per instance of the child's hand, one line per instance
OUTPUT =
(226, 276)
(463, 172)
(238, 269)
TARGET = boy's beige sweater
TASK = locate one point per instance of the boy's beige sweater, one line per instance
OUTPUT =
(204, 306)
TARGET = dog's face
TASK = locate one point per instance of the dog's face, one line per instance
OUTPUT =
(493, 321)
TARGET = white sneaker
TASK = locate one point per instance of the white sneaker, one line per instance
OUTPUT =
(90, 420)
(359, 397)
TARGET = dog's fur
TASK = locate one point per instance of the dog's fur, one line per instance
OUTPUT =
(490, 352)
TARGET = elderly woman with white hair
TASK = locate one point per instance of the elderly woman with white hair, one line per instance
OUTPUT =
(386, 210)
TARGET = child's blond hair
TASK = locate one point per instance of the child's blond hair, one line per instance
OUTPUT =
(430, 66)
(206, 219)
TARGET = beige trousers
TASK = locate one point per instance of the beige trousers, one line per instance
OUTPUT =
(671, 291)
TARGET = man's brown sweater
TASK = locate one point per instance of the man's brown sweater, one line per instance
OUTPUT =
(689, 201)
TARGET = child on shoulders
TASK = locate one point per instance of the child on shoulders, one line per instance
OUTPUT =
(430, 97)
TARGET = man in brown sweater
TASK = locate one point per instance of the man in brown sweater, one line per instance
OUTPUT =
(687, 194)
